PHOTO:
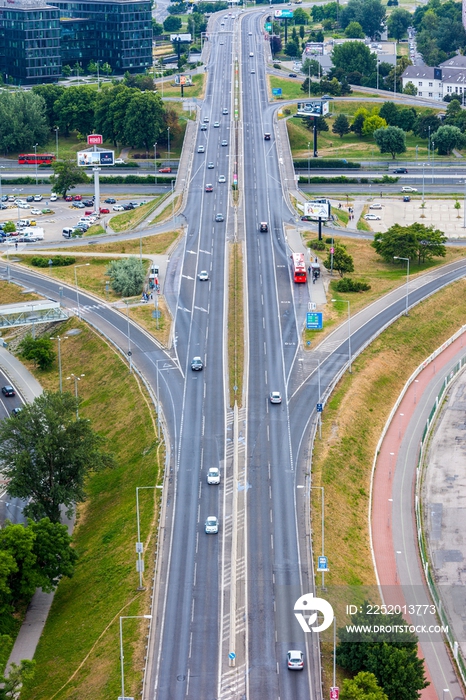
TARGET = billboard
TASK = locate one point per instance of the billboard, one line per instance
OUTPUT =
(317, 108)
(95, 140)
(87, 158)
(182, 38)
(317, 210)
(183, 80)
(283, 14)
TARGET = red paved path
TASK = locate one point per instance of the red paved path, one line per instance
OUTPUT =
(381, 516)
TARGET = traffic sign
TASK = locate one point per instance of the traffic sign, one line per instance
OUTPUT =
(332, 250)
(277, 92)
(232, 655)
(320, 407)
(314, 321)
(334, 693)
(322, 564)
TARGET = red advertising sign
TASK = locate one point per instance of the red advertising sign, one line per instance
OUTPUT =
(95, 140)
(334, 693)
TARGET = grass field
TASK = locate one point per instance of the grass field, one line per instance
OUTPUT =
(151, 245)
(129, 219)
(352, 422)
(79, 649)
(196, 90)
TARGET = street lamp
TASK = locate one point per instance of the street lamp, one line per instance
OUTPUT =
(173, 200)
(2, 167)
(397, 257)
(321, 488)
(57, 337)
(346, 301)
(168, 132)
(76, 284)
(308, 162)
(433, 159)
(56, 130)
(155, 163)
(423, 182)
(35, 159)
(127, 617)
(378, 63)
(130, 354)
(139, 548)
(77, 378)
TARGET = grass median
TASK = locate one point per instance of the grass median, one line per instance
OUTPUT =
(236, 324)
(353, 420)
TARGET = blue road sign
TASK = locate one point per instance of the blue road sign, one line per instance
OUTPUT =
(314, 321)
(277, 92)
(322, 564)
(320, 407)
(232, 655)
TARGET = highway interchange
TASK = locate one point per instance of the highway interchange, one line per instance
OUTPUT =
(263, 545)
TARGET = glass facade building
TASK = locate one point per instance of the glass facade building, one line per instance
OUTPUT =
(37, 39)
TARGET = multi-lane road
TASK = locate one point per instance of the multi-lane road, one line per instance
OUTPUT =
(235, 591)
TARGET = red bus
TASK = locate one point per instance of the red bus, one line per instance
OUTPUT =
(299, 268)
(39, 158)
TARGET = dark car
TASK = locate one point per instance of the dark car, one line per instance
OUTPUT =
(196, 364)
(266, 137)
(89, 202)
(16, 410)
(30, 198)
(263, 227)
(400, 171)
(8, 390)
(406, 198)
(4, 198)
(3, 206)
(127, 207)
(110, 200)
(292, 75)
(219, 217)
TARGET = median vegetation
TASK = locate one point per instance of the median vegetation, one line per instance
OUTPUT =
(236, 324)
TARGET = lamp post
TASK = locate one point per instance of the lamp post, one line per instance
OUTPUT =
(155, 163)
(173, 200)
(139, 547)
(394, 82)
(76, 284)
(57, 337)
(308, 162)
(127, 617)
(77, 378)
(35, 158)
(433, 159)
(130, 353)
(56, 130)
(346, 301)
(322, 490)
(2, 167)
(424, 164)
(464, 220)
(168, 132)
(397, 257)
(378, 63)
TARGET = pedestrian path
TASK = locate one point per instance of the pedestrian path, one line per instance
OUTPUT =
(393, 528)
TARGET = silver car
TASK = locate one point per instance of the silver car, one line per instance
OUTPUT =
(213, 475)
(295, 660)
(211, 525)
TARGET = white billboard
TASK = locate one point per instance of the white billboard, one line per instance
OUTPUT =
(87, 158)
(317, 210)
(182, 38)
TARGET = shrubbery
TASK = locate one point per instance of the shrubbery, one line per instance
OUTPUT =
(348, 285)
(57, 261)
(325, 163)
(316, 244)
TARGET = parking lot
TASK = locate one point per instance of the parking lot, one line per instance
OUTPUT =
(440, 213)
(55, 216)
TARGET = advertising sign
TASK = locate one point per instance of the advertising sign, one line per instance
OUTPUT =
(334, 693)
(317, 210)
(86, 158)
(183, 80)
(317, 108)
(95, 140)
(182, 38)
(283, 14)
(277, 92)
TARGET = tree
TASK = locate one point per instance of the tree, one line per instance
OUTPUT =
(172, 24)
(426, 124)
(301, 31)
(430, 242)
(360, 116)
(363, 686)
(40, 350)
(9, 227)
(291, 49)
(55, 557)
(410, 89)
(389, 112)
(447, 138)
(66, 71)
(398, 22)
(75, 109)
(23, 121)
(372, 124)
(17, 677)
(341, 125)
(457, 206)
(311, 67)
(453, 110)
(144, 120)
(50, 93)
(275, 44)
(399, 671)
(342, 261)
(46, 454)
(406, 118)
(390, 140)
(300, 16)
(126, 276)
(369, 13)
(398, 241)
(66, 175)
(354, 56)
(354, 31)
(106, 68)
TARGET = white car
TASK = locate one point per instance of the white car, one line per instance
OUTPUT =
(211, 525)
(250, 33)
(372, 217)
(224, 110)
(408, 188)
(275, 397)
(53, 197)
(201, 149)
(295, 660)
(213, 475)
(36, 212)
(222, 178)
(119, 161)
(23, 205)
(38, 198)
(251, 55)
(203, 275)
(118, 207)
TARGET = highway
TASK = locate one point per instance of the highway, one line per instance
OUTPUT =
(191, 630)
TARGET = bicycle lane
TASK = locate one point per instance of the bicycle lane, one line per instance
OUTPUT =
(393, 525)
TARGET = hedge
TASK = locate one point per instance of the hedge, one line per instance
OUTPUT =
(322, 163)
(57, 261)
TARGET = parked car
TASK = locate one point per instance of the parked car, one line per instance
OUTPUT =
(88, 202)
(104, 210)
(77, 198)
(119, 161)
(68, 198)
(53, 197)
(38, 198)
(110, 200)
(30, 198)
(36, 212)
(118, 207)
(78, 205)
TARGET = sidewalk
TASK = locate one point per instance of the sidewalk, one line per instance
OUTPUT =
(393, 527)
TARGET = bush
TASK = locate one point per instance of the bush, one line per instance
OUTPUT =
(126, 276)
(348, 285)
(316, 244)
(325, 163)
(57, 261)
(39, 350)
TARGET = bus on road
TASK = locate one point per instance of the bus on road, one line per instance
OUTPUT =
(299, 268)
(33, 158)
